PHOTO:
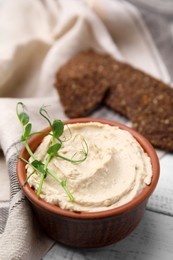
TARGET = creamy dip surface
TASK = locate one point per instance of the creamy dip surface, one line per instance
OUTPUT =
(115, 171)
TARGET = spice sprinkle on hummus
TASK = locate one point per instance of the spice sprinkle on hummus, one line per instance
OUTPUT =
(115, 171)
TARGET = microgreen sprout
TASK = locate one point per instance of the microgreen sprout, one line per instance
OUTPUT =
(57, 126)
(57, 139)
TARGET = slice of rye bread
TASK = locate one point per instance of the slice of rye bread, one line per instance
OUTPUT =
(132, 90)
(90, 79)
(155, 122)
(83, 82)
(146, 101)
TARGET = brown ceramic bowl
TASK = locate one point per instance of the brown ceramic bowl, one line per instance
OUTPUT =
(94, 229)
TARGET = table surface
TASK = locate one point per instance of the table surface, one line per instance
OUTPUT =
(151, 240)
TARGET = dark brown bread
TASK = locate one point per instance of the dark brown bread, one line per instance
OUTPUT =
(155, 122)
(83, 82)
(90, 79)
(146, 101)
(132, 90)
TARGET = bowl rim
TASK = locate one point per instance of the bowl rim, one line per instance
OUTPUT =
(143, 195)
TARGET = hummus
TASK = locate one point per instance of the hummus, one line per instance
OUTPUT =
(115, 171)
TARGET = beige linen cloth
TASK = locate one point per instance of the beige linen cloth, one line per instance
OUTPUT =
(36, 38)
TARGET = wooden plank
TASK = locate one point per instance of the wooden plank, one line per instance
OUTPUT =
(162, 198)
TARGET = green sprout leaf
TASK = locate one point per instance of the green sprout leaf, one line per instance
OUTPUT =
(23, 116)
(38, 165)
(64, 183)
(57, 128)
(54, 149)
(27, 132)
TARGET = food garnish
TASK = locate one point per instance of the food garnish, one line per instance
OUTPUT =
(57, 142)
